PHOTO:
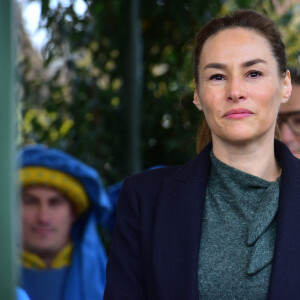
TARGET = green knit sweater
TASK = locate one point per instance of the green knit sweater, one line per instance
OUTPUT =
(238, 234)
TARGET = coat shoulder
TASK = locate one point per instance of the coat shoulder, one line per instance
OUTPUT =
(149, 182)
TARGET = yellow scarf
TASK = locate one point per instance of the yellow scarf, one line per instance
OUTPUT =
(62, 259)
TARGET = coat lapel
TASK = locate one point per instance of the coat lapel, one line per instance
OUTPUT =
(285, 276)
(177, 230)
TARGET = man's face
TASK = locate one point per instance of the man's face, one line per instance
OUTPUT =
(287, 129)
(47, 218)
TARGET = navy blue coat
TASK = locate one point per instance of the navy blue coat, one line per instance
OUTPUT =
(156, 241)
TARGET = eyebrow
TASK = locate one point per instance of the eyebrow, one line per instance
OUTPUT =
(254, 62)
(248, 63)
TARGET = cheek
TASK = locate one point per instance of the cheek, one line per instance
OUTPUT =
(66, 219)
(212, 104)
(267, 102)
(207, 99)
(28, 215)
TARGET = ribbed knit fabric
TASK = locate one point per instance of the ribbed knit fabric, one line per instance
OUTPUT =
(238, 234)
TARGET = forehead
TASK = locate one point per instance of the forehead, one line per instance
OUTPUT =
(235, 44)
(294, 103)
(44, 192)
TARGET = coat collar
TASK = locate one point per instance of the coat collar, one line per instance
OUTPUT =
(196, 170)
(285, 276)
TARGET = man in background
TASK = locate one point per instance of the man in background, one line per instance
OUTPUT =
(63, 204)
(289, 117)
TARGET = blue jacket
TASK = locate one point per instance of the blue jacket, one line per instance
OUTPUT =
(86, 275)
(156, 241)
(21, 294)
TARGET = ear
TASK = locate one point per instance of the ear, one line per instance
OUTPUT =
(286, 87)
(196, 100)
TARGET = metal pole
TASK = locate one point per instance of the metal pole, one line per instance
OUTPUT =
(8, 212)
(135, 87)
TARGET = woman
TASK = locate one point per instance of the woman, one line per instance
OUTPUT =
(226, 224)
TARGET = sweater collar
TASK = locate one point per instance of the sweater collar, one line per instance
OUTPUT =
(62, 259)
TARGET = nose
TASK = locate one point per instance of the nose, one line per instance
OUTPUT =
(43, 213)
(236, 91)
(287, 135)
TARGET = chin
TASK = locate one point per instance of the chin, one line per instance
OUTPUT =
(296, 154)
(247, 135)
(41, 249)
(239, 138)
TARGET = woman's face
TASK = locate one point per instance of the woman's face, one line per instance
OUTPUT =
(239, 88)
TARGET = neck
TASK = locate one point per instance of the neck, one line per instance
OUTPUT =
(256, 158)
(47, 259)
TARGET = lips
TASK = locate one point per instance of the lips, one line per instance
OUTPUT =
(42, 230)
(238, 113)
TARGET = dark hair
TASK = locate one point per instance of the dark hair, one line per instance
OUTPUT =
(248, 19)
(295, 75)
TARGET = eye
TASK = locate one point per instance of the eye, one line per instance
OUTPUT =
(216, 77)
(57, 201)
(29, 200)
(296, 120)
(254, 74)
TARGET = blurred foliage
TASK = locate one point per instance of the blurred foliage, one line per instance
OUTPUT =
(285, 15)
(75, 97)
